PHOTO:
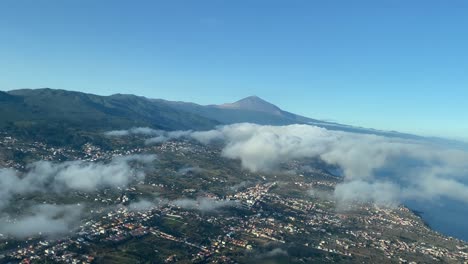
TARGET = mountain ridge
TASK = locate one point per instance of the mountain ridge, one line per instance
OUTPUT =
(61, 116)
(253, 103)
(60, 110)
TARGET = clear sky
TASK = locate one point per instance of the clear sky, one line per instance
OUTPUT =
(395, 65)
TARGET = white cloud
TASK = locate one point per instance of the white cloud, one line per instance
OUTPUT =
(117, 133)
(142, 205)
(134, 131)
(275, 253)
(381, 192)
(45, 176)
(156, 140)
(396, 168)
(45, 219)
(187, 170)
(376, 168)
(203, 204)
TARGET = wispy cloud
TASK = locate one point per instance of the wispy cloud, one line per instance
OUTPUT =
(44, 219)
(203, 204)
(135, 131)
(45, 176)
(141, 205)
(189, 170)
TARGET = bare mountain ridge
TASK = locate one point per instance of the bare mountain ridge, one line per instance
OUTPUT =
(253, 103)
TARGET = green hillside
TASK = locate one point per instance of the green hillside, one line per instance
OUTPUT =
(48, 113)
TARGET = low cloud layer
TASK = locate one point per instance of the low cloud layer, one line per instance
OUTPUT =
(142, 205)
(45, 176)
(203, 204)
(379, 169)
(50, 177)
(156, 136)
(275, 253)
(45, 219)
(375, 168)
(134, 131)
(189, 170)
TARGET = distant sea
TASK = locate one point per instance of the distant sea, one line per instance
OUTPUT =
(445, 216)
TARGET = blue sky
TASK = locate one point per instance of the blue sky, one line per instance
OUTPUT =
(394, 65)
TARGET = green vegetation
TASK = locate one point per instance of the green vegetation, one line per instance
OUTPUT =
(62, 117)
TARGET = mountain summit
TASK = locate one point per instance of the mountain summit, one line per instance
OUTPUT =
(61, 115)
(253, 103)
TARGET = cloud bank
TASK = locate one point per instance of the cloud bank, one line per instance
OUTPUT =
(49, 177)
(142, 205)
(375, 168)
(189, 170)
(203, 204)
(45, 219)
(45, 176)
(156, 136)
(134, 131)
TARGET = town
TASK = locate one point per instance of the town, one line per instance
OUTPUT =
(201, 215)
